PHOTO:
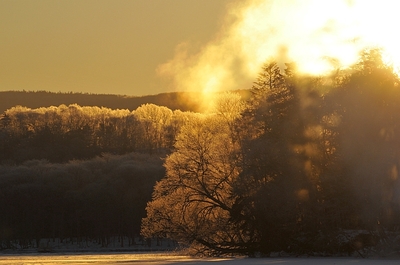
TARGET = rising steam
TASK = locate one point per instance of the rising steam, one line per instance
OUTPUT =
(318, 35)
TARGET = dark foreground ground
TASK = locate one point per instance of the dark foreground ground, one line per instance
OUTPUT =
(171, 259)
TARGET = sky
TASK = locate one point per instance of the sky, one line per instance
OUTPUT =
(146, 47)
(99, 46)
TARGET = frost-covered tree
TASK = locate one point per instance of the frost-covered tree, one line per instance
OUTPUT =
(193, 203)
(155, 121)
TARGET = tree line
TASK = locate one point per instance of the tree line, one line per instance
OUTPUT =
(82, 200)
(184, 101)
(308, 164)
(80, 172)
(59, 134)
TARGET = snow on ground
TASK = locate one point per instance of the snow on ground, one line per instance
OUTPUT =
(170, 259)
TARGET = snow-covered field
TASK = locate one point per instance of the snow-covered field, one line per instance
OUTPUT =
(170, 259)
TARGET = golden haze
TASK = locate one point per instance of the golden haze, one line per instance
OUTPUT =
(318, 36)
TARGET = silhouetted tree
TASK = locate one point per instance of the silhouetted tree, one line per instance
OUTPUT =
(365, 106)
(272, 188)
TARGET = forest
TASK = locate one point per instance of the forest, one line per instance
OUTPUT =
(184, 101)
(304, 165)
(38, 99)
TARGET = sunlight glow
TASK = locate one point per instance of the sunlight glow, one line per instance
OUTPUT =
(319, 36)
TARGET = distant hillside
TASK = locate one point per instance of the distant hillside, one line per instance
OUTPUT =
(185, 101)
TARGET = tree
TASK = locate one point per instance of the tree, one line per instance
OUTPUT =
(193, 203)
(155, 121)
(365, 104)
(229, 107)
(273, 191)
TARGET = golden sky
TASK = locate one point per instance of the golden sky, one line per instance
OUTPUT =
(142, 47)
(98, 46)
